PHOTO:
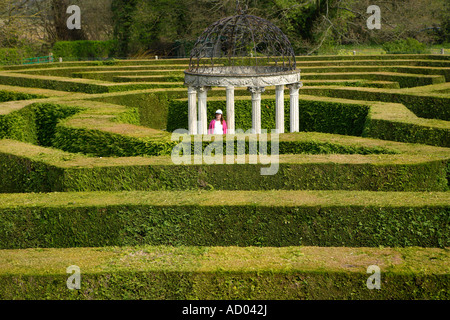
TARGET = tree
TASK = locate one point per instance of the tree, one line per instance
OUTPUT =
(13, 14)
(51, 17)
(122, 16)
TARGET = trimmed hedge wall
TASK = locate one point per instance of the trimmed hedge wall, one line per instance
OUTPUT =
(345, 70)
(225, 285)
(314, 115)
(317, 116)
(224, 225)
(420, 177)
(376, 57)
(423, 106)
(47, 118)
(24, 175)
(407, 132)
(6, 96)
(52, 84)
(36, 123)
(19, 125)
(404, 80)
(153, 106)
(184, 274)
(72, 85)
(104, 144)
(21, 174)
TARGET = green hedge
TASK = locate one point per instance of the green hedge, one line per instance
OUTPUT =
(10, 56)
(404, 46)
(427, 176)
(25, 174)
(194, 273)
(424, 106)
(151, 78)
(343, 118)
(353, 83)
(224, 225)
(75, 85)
(153, 106)
(404, 80)
(344, 70)
(418, 61)
(47, 118)
(35, 123)
(84, 49)
(19, 125)
(103, 144)
(318, 116)
(407, 132)
(375, 57)
(53, 84)
(14, 96)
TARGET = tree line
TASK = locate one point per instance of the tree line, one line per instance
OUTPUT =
(170, 27)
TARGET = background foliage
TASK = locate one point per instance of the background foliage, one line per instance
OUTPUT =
(170, 28)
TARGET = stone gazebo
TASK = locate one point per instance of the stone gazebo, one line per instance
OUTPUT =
(242, 51)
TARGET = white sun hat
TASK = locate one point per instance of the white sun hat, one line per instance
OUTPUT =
(219, 112)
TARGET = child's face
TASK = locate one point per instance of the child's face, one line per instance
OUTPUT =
(218, 115)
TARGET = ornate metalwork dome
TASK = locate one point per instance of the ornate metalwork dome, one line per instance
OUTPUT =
(236, 52)
(242, 44)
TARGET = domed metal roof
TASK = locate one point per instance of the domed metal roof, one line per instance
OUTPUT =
(242, 40)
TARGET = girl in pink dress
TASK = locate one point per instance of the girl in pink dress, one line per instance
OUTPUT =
(218, 125)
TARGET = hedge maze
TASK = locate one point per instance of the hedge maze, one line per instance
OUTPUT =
(87, 179)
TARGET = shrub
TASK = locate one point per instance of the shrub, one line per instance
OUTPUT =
(10, 56)
(13, 96)
(409, 45)
(84, 49)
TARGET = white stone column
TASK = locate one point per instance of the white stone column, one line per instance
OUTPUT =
(230, 110)
(279, 109)
(202, 108)
(295, 120)
(256, 108)
(192, 112)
